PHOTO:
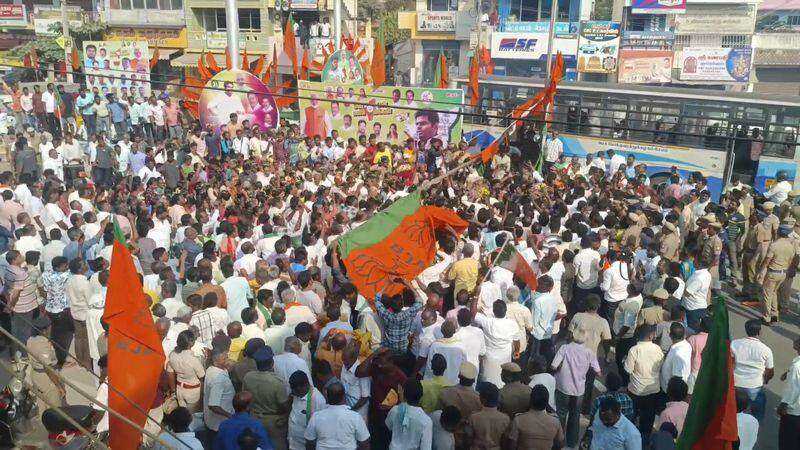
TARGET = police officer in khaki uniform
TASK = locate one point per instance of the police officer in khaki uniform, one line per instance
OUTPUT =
(761, 239)
(780, 255)
(785, 208)
(49, 389)
(271, 402)
(670, 244)
(633, 231)
(772, 220)
(785, 289)
(710, 249)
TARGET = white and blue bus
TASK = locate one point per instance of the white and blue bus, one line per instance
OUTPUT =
(691, 129)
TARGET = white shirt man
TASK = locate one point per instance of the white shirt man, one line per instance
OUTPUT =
(587, 268)
(500, 334)
(615, 282)
(336, 427)
(49, 100)
(778, 193)
(554, 148)
(288, 363)
(473, 341)
(752, 358)
(616, 161)
(453, 351)
(696, 293)
(414, 431)
(355, 388)
(677, 363)
(146, 173)
(299, 416)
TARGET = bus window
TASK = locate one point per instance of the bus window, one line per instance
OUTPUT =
(783, 140)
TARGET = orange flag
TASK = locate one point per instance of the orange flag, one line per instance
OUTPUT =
(444, 76)
(76, 61)
(259, 65)
(245, 61)
(290, 43)
(378, 64)
(202, 69)
(486, 60)
(135, 353)
(274, 59)
(305, 65)
(27, 61)
(211, 62)
(154, 58)
(228, 61)
(488, 153)
(474, 89)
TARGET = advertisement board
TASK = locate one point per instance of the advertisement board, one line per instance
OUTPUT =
(658, 6)
(303, 5)
(155, 37)
(122, 68)
(702, 20)
(343, 67)
(716, 64)
(529, 45)
(598, 47)
(392, 113)
(648, 40)
(645, 66)
(436, 21)
(13, 16)
(237, 92)
(563, 29)
(45, 18)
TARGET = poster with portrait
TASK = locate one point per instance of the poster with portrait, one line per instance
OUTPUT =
(237, 92)
(716, 64)
(598, 46)
(645, 66)
(343, 67)
(117, 67)
(392, 113)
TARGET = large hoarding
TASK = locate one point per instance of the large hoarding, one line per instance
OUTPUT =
(645, 66)
(343, 67)
(529, 45)
(121, 68)
(393, 114)
(730, 65)
(598, 47)
(241, 93)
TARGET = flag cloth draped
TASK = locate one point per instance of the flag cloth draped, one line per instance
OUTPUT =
(711, 419)
(245, 61)
(212, 62)
(538, 104)
(154, 58)
(399, 241)
(474, 89)
(290, 43)
(511, 259)
(135, 353)
(305, 65)
(259, 65)
(228, 60)
(76, 61)
(378, 64)
(486, 60)
(441, 78)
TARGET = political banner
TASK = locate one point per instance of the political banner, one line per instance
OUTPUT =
(598, 47)
(658, 6)
(645, 66)
(237, 92)
(716, 64)
(392, 114)
(343, 67)
(118, 67)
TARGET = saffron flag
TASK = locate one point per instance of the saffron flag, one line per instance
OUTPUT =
(305, 66)
(290, 43)
(377, 70)
(228, 60)
(76, 61)
(204, 72)
(212, 62)
(135, 353)
(399, 241)
(245, 61)
(441, 77)
(259, 65)
(511, 259)
(488, 153)
(486, 60)
(538, 104)
(154, 58)
(711, 419)
(474, 89)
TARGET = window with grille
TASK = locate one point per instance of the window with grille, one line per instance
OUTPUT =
(442, 5)
(249, 19)
(212, 19)
(793, 20)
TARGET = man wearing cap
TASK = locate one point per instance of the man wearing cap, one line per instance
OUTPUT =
(271, 403)
(781, 254)
(772, 221)
(710, 248)
(753, 251)
(463, 397)
(514, 395)
(49, 388)
(634, 230)
(670, 243)
(655, 314)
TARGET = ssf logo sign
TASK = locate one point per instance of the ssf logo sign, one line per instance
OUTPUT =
(517, 44)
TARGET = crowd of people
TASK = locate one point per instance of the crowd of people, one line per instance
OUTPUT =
(269, 344)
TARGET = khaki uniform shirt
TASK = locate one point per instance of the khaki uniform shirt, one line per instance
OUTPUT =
(780, 253)
(652, 315)
(515, 398)
(632, 231)
(711, 249)
(670, 246)
(186, 367)
(464, 398)
(535, 430)
(772, 222)
(43, 351)
(488, 428)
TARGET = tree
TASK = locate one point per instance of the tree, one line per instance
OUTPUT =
(386, 12)
(602, 9)
(49, 52)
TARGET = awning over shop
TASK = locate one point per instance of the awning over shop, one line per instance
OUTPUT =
(165, 54)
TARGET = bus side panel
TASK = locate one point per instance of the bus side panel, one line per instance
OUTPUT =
(768, 167)
(658, 158)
